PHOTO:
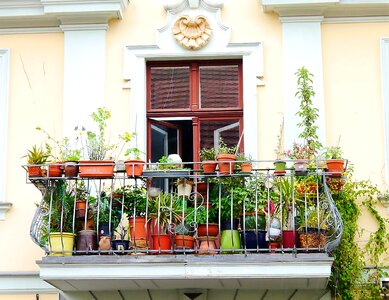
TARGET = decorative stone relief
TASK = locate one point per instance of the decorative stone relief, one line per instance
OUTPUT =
(192, 33)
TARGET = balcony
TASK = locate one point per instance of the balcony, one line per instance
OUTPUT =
(176, 226)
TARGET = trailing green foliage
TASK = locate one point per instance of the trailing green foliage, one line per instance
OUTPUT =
(348, 281)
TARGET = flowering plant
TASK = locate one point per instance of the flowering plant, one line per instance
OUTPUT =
(299, 151)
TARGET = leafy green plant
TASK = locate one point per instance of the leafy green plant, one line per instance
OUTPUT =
(61, 150)
(307, 112)
(334, 152)
(201, 215)
(135, 200)
(348, 279)
(207, 154)
(165, 210)
(37, 156)
(223, 148)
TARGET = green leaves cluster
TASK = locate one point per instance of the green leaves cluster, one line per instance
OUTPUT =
(307, 112)
(348, 281)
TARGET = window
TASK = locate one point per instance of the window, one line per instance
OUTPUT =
(191, 104)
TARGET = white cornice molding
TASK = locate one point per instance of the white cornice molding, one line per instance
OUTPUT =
(52, 13)
(327, 8)
(176, 6)
(84, 27)
(308, 19)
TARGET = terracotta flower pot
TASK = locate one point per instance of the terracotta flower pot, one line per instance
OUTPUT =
(246, 167)
(134, 168)
(80, 209)
(55, 170)
(207, 245)
(96, 168)
(226, 163)
(71, 168)
(184, 241)
(213, 229)
(209, 166)
(138, 230)
(162, 242)
(34, 171)
(335, 167)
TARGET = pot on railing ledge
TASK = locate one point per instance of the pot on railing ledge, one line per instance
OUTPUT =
(96, 168)
(226, 163)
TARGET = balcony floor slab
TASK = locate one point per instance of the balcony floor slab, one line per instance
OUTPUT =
(306, 271)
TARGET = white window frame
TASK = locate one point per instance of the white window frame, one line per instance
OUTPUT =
(4, 85)
(385, 98)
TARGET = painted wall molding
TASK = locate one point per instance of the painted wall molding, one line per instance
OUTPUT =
(46, 14)
(327, 8)
(4, 86)
(385, 98)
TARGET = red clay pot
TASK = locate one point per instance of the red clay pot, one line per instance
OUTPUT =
(96, 168)
(161, 242)
(335, 167)
(134, 167)
(209, 166)
(71, 168)
(55, 169)
(184, 241)
(213, 229)
(137, 229)
(246, 167)
(226, 163)
(34, 171)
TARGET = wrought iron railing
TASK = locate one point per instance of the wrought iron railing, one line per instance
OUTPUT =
(186, 211)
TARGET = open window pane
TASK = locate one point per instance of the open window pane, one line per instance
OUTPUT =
(212, 130)
(219, 86)
(169, 87)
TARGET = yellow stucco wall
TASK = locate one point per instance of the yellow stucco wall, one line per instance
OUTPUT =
(35, 99)
(352, 83)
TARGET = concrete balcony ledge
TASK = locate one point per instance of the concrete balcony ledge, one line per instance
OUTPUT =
(89, 273)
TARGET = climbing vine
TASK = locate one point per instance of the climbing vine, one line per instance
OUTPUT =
(348, 280)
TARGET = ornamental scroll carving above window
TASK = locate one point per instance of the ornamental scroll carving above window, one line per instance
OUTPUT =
(191, 33)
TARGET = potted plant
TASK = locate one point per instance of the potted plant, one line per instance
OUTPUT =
(36, 157)
(66, 157)
(253, 217)
(308, 114)
(184, 187)
(312, 232)
(287, 200)
(226, 157)
(244, 164)
(135, 202)
(334, 161)
(135, 165)
(208, 162)
(184, 229)
(207, 221)
(300, 154)
(164, 211)
(97, 146)
(280, 163)
(59, 237)
(121, 243)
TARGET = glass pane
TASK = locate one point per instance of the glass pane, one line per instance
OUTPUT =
(169, 87)
(211, 130)
(219, 86)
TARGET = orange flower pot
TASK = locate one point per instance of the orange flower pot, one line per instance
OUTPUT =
(134, 168)
(335, 167)
(226, 163)
(96, 168)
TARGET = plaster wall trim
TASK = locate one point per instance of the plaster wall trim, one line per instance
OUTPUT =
(327, 8)
(84, 27)
(301, 19)
(24, 283)
(4, 87)
(382, 19)
(385, 98)
(52, 13)
(135, 58)
(27, 30)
